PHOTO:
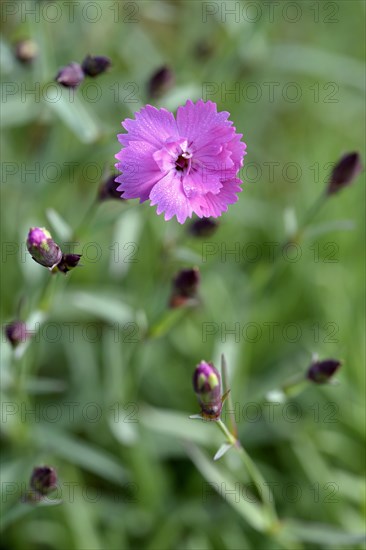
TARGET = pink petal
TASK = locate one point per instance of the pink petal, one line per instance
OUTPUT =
(170, 198)
(201, 124)
(151, 125)
(214, 205)
(201, 182)
(139, 170)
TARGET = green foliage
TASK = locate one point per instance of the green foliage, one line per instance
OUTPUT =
(103, 391)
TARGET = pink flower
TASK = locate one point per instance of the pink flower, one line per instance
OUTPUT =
(183, 166)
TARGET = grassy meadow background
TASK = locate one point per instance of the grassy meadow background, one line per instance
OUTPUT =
(109, 374)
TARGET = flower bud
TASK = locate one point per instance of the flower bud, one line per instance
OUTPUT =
(160, 82)
(93, 66)
(43, 479)
(108, 190)
(42, 248)
(344, 172)
(185, 287)
(70, 76)
(203, 227)
(68, 262)
(26, 51)
(207, 386)
(321, 372)
(16, 332)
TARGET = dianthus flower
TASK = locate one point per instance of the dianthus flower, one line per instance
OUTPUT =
(183, 166)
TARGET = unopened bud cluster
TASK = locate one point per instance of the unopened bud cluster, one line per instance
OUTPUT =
(72, 75)
(46, 252)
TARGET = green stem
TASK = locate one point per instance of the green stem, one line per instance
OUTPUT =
(294, 238)
(294, 385)
(253, 472)
(314, 209)
(83, 225)
(230, 437)
(225, 380)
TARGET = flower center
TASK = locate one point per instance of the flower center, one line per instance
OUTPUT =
(183, 162)
(174, 156)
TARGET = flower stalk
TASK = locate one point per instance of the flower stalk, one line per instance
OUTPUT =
(207, 386)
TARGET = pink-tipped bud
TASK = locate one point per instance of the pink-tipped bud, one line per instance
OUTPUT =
(207, 386)
(42, 247)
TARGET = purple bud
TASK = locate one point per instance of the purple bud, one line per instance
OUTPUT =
(70, 76)
(185, 286)
(320, 372)
(108, 190)
(42, 248)
(93, 66)
(68, 262)
(203, 227)
(344, 172)
(16, 332)
(207, 386)
(26, 51)
(43, 479)
(160, 82)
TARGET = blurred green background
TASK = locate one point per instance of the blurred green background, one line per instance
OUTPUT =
(110, 406)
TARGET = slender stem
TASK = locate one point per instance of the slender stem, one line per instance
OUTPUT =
(254, 473)
(83, 225)
(48, 292)
(230, 437)
(310, 214)
(294, 238)
(314, 209)
(294, 384)
(225, 379)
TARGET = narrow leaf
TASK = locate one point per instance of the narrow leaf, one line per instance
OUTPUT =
(223, 449)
